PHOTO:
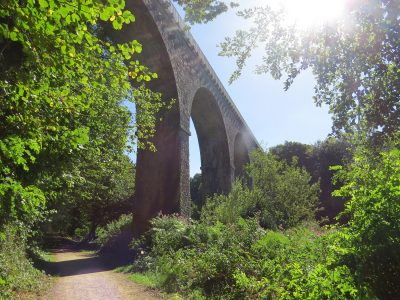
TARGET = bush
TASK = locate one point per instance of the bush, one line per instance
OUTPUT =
(297, 264)
(285, 194)
(201, 258)
(17, 274)
(81, 232)
(111, 234)
(373, 232)
(281, 195)
(240, 202)
(243, 261)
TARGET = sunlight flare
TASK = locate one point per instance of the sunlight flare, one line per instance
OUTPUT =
(305, 14)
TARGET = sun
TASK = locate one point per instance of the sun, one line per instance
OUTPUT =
(305, 14)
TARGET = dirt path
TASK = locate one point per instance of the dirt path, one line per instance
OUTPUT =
(84, 276)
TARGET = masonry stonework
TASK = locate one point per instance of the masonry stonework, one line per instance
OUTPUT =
(162, 177)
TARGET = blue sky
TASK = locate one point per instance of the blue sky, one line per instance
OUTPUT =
(274, 116)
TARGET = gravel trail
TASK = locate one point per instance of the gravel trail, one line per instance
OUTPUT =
(84, 276)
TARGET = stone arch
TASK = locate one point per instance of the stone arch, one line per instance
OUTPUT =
(162, 177)
(241, 155)
(213, 142)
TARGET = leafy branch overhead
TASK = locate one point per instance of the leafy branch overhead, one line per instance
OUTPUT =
(354, 58)
(59, 76)
(203, 11)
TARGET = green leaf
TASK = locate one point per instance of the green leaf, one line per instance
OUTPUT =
(117, 24)
(107, 13)
(128, 17)
(63, 11)
(138, 48)
(13, 36)
(43, 3)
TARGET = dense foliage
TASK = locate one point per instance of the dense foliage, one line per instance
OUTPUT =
(280, 194)
(229, 253)
(108, 235)
(62, 85)
(243, 261)
(64, 126)
(99, 190)
(197, 195)
(318, 159)
(17, 273)
(238, 259)
(373, 232)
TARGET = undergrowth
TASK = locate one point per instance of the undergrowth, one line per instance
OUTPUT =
(112, 235)
(17, 274)
(148, 279)
(244, 261)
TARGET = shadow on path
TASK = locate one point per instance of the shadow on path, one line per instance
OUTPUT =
(85, 275)
(76, 267)
(83, 262)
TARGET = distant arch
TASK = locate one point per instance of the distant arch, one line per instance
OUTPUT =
(241, 155)
(213, 142)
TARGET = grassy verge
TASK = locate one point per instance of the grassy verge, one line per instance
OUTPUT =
(147, 279)
(47, 257)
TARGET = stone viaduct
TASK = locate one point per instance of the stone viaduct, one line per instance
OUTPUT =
(162, 177)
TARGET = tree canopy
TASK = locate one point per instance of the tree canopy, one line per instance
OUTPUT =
(355, 60)
(63, 83)
(203, 11)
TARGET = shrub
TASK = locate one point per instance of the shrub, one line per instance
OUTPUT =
(373, 232)
(81, 232)
(206, 259)
(240, 202)
(284, 192)
(167, 234)
(227, 257)
(243, 261)
(17, 274)
(111, 234)
(296, 264)
(281, 195)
